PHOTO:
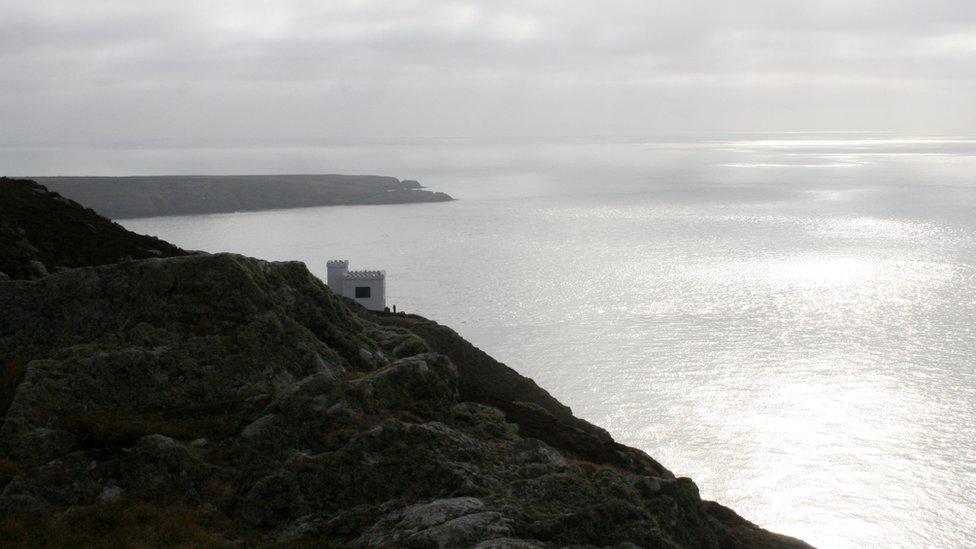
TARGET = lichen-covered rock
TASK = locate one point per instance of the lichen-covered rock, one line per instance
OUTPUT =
(463, 530)
(450, 522)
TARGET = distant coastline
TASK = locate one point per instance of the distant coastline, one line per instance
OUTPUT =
(165, 195)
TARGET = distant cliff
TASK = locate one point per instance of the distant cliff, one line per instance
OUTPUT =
(225, 401)
(149, 196)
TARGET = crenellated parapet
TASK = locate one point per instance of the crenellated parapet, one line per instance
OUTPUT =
(364, 275)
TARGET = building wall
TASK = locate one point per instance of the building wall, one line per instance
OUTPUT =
(337, 268)
(377, 299)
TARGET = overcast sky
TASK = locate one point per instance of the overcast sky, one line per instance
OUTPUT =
(105, 72)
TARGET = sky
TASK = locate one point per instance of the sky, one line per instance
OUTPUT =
(102, 73)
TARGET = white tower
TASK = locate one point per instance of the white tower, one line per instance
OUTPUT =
(337, 269)
(368, 288)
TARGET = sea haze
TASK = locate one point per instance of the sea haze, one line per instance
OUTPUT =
(788, 319)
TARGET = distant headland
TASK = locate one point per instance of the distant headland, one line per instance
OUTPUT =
(151, 196)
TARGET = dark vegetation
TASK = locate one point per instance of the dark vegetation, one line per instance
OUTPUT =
(42, 232)
(220, 400)
(149, 196)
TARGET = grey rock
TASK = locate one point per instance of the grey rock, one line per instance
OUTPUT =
(425, 515)
(110, 494)
(306, 526)
(530, 450)
(465, 530)
(39, 268)
(448, 522)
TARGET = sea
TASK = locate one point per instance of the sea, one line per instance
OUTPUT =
(789, 319)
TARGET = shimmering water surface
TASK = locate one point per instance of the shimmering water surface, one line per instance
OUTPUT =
(789, 320)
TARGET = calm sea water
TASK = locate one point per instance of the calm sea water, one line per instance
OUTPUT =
(789, 320)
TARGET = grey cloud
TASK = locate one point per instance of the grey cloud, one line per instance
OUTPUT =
(101, 72)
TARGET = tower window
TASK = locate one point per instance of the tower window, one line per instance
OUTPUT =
(363, 291)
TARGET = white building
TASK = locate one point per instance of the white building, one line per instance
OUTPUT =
(368, 288)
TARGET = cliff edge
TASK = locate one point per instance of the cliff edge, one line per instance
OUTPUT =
(222, 400)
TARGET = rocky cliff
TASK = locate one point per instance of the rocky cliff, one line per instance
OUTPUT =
(222, 400)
